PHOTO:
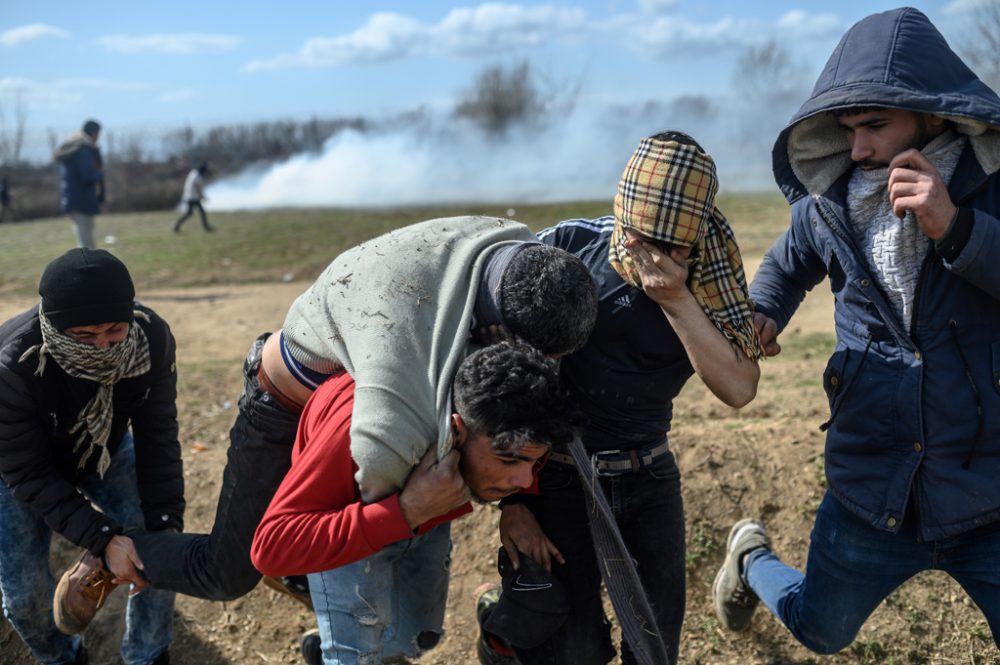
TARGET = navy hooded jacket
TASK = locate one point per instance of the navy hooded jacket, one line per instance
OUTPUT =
(915, 415)
(81, 179)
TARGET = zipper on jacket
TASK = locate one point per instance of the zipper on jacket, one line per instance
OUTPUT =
(920, 284)
(953, 327)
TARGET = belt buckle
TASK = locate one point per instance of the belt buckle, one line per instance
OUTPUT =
(598, 460)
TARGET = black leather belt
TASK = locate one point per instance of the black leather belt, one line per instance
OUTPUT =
(611, 462)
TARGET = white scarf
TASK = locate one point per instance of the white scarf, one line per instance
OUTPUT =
(895, 248)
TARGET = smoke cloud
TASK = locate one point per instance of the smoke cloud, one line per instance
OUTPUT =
(576, 154)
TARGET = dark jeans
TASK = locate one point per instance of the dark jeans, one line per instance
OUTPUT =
(852, 567)
(217, 566)
(650, 515)
(192, 206)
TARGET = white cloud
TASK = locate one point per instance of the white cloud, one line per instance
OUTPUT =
(27, 33)
(490, 28)
(64, 93)
(963, 6)
(495, 28)
(667, 36)
(798, 23)
(658, 6)
(181, 43)
(179, 95)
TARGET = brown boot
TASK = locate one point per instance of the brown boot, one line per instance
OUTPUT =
(291, 586)
(81, 591)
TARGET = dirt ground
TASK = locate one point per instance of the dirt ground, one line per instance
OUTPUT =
(765, 460)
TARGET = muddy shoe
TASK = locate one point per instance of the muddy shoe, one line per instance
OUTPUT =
(735, 601)
(296, 586)
(81, 591)
(490, 649)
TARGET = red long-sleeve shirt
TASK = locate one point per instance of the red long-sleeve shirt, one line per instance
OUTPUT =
(316, 520)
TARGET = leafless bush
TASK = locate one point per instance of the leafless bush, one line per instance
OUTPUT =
(13, 123)
(501, 97)
(983, 44)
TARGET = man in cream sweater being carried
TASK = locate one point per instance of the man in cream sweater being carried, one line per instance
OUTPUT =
(397, 312)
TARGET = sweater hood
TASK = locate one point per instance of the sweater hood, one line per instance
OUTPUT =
(895, 59)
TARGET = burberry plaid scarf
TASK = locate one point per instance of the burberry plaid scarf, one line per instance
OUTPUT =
(667, 193)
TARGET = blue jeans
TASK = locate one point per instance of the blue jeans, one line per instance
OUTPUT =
(27, 583)
(389, 604)
(217, 566)
(852, 567)
(649, 511)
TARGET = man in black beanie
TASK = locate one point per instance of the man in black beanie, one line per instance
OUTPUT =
(87, 420)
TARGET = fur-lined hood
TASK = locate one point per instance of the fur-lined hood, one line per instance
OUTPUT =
(73, 143)
(896, 59)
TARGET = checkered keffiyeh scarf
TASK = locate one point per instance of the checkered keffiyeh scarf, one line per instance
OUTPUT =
(667, 193)
(106, 367)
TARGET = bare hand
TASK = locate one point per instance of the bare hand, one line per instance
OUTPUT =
(767, 331)
(915, 185)
(519, 531)
(125, 564)
(492, 335)
(433, 488)
(663, 276)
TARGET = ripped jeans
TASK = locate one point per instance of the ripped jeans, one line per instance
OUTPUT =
(389, 604)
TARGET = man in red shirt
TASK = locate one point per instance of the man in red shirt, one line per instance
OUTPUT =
(384, 590)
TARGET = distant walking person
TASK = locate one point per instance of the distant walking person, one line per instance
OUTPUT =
(4, 199)
(194, 194)
(81, 180)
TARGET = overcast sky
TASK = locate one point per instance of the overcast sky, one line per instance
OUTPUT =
(144, 67)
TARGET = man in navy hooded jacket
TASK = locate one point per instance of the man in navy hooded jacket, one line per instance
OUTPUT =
(891, 168)
(81, 180)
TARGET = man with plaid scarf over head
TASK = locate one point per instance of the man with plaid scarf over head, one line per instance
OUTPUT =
(672, 302)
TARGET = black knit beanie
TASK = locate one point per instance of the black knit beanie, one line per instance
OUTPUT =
(85, 287)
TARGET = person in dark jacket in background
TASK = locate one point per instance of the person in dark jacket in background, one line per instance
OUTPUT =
(76, 372)
(893, 171)
(81, 180)
(4, 199)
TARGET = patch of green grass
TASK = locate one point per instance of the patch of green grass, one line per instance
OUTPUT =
(702, 544)
(269, 245)
(796, 346)
(870, 651)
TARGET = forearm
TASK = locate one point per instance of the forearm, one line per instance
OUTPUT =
(299, 542)
(728, 373)
(976, 262)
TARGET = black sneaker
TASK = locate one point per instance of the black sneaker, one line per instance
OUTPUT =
(309, 646)
(162, 659)
(491, 650)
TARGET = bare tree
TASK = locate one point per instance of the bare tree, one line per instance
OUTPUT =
(765, 74)
(502, 97)
(983, 46)
(12, 133)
